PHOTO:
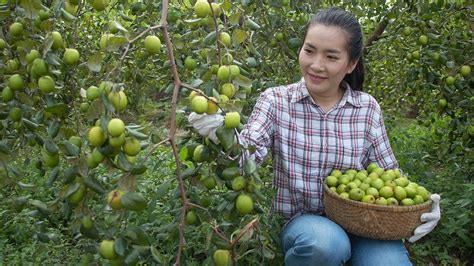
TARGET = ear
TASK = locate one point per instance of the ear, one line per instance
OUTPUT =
(352, 66)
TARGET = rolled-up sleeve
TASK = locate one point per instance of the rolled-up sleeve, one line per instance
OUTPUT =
(258, 131)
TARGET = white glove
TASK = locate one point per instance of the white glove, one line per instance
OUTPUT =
(429, 220)
(206, 124)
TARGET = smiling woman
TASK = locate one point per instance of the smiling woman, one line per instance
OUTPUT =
(321, 123)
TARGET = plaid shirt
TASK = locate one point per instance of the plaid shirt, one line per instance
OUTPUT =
(307, 143)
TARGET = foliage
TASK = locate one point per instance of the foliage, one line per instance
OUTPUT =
(50, 185)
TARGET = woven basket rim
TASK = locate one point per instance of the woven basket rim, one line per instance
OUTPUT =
(336, 196)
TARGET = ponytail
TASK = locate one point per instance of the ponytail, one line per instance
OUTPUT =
(356, 78)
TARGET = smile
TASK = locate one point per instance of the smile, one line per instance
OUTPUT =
(316, 79)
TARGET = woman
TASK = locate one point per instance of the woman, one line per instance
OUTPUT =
(320, 123)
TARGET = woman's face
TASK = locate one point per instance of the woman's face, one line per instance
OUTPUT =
(324, 60)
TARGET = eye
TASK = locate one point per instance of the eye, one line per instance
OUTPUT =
(332, 57)
(308, 51)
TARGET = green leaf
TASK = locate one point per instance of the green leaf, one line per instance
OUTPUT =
(120, 246)
(4, 147)
(52, 176)
(41, 206)
(29, 124)
(138, 169)
(132, 257)
(25, 186)
(163, 189)
(252, 24)
(210, 38)
(92, 233)
(243, 81)
(71, 149)
(95, 62)
(226, 137)
(31, 7)
(59, 109)
(70, 174)
(93, 184)
(137, 134)
(249, 166)
(133, 201)
(51, 147)
(156, 255)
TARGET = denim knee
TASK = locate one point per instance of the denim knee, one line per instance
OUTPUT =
(315, 240)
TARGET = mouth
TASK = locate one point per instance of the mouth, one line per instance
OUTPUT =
(316, 78)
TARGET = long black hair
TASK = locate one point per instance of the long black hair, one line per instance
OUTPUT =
(346, 21)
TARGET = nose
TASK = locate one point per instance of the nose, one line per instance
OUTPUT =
(317, 64)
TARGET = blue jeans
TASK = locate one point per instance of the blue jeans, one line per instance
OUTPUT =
(315, 240)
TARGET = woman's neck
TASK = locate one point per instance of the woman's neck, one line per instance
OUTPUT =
(328, 101)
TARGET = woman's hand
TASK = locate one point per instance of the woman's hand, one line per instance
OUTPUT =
(206, 124)
(429, 220)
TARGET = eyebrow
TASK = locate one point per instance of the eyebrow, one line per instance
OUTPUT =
(334, 51)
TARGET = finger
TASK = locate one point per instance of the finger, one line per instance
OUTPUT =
(415, 238)
(435, 198)
(430, 216)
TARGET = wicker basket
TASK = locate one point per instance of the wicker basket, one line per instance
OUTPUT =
(373, 221)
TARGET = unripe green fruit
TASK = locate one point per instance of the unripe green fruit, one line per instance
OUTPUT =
(423, 40)
(228, 89)
(465, 71)
(116, 127)
(32, 55)
(450, 81)
(87, 222)
(106, 249)
(152, 44)
(46, 84)
(39, 68)
(76, 141)
(16, 82)
(227, 59)
(223, 73)
(96, 156)
(234, 70)
(57, 40)
(43, 15)
(71, 56)
(190, 63)
(279, 36)
(199, 104)
(132, 146)
(104, 39)
(84, 107)
(406, 31)
(92, 93)
(3, 44)
(224, 37)
(12, 65)
(202, 9)
(118, 100)
(191, 218)
(50, 160)
(15, 114)
(70, 8)
(100, 5)
(232, 120)
(16, 29)
(244, 204)
(8, 94)
(221, 257)
(96, 136)
(117, 141)
(78, 195)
